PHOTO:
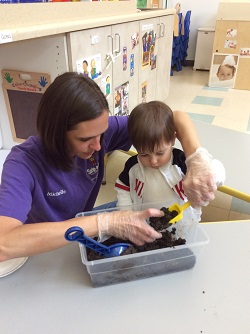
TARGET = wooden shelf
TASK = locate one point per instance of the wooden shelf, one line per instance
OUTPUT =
(33, 20)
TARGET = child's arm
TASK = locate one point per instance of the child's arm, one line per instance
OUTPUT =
(122, 193)
(122, 185)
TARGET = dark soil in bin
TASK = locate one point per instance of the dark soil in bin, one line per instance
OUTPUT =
(168, 239)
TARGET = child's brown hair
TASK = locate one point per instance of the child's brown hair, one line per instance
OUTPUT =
(149, 124)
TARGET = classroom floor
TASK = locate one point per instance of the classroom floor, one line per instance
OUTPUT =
(189, 93)
(228, 108)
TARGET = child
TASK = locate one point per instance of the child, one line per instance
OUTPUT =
(85, 68)
(227, 69)
(156, 173)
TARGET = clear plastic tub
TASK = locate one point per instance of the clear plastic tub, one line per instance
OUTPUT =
(131, 267)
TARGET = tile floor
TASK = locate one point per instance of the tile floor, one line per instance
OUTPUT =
(228, 108)
(189, 93)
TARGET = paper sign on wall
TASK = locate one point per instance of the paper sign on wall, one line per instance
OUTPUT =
(22, 93)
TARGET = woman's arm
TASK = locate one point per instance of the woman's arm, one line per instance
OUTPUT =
(199, 183)
(21, 240)
(186, 132)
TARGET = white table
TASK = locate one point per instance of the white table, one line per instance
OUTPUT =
(52, 294)
(231, 148)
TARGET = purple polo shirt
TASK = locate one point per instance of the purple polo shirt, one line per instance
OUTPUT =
(33, 191)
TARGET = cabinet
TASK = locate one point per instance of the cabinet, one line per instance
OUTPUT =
(204, 48)
(124, 63)
(116, 59)
(57, 37)
(232, 45)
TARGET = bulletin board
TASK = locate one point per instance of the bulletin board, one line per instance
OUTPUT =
(231, 39)
(22, 93)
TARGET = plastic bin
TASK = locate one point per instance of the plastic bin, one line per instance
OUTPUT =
(152, 263)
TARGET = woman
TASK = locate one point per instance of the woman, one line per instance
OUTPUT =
(49, 178)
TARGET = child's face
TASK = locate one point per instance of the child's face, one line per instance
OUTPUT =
(85, 66)
(158, 158)
(225, 73)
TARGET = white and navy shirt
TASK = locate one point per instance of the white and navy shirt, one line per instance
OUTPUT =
(138, 184)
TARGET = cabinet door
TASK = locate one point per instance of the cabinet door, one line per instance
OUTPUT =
(148, 59)
(88, 51)
(156, 37)
(126, 51)
(164, 57)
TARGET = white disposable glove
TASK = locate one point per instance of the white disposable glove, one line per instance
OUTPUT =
(200, 181)
(128, 225)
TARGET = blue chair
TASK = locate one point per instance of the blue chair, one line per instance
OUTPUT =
(176, 47)
(185, 38)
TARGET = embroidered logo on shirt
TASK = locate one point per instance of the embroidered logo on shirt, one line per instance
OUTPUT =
(57, 193)
(92, 170)
(95, 167)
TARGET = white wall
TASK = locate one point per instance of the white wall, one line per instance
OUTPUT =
(42, 55)
(203, 14)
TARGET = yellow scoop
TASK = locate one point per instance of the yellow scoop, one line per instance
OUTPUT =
(179, 209)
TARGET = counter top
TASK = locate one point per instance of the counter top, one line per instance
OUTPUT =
(32, 20)
(52, 294)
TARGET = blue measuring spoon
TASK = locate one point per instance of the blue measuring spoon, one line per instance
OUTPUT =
(76, 233)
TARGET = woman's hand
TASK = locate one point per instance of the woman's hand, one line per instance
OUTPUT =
(128, 225)
(199, 183)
